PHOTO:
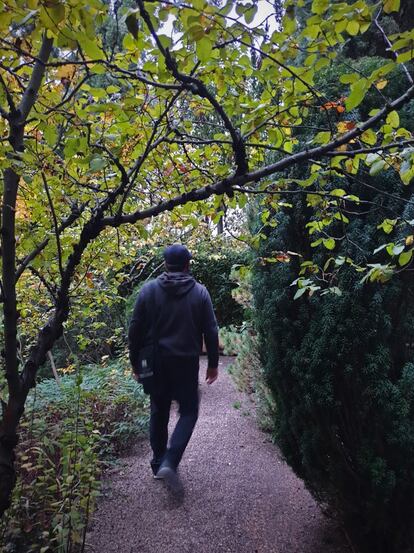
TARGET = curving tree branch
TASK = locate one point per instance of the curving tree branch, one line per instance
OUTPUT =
(196, 86)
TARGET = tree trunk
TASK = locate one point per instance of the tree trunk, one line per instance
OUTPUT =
(17, 387)
(13, 410)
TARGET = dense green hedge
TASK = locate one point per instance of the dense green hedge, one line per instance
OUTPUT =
(342, 376)
(341, 368)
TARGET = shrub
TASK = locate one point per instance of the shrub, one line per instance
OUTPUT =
(212, 266)
(341, 372)
(69, 434)
(340, 366)
(247, 372)
(214, 270)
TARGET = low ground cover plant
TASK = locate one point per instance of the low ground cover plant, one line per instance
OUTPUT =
(71, 432)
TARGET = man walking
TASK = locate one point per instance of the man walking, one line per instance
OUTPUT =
(178, 311)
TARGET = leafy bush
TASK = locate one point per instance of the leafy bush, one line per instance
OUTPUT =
(340, 368)
(340, 365)
(247, 372)
(212, 266)
(69, 434)
(341, 376)
(214, 270)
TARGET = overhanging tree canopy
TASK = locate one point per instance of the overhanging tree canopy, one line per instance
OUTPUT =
(195, 102)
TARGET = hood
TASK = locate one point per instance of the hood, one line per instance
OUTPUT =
(176, 284)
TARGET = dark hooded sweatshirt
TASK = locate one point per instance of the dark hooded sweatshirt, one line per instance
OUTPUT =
(182, 311)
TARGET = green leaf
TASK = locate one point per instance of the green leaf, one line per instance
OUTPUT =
(369, 136)
(52, 16)
(405, 258)
(398, 249)
(387, 225)
(329, 243)
(204, 48)
(316, 243)
(50, 134)
(90, 47)
(299, 293)
(322, 137)
(407, 171)
(393, 119)
(71, 147)
(97, 163)
(377, 167)
(349, 78)
(320, 6)
(405, 56)
(358, 91)
(311, 31)
(250, 14)
(339, 192)
(353, 27)
(132, 24)
(391, 6)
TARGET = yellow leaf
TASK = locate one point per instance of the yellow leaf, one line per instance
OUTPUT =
(349, 165)
(66, 71)
(381, 84)
(22, 211)
(341, 127)
(409, 240)
(391, 6)
(345, 126)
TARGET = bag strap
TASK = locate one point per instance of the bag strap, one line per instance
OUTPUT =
(155, 324)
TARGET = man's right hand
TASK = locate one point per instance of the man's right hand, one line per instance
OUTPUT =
(211, 375)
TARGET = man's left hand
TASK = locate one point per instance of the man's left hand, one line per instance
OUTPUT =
(211, 375)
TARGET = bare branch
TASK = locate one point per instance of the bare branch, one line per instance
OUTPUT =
(149, 82)
(74, 215)
(30, 94)
(54, 370)
(55, 223)
(198, 87)
(45, 283)
(353, 153)
(389, 44)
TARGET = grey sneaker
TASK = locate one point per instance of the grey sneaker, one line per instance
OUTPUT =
(171, 479)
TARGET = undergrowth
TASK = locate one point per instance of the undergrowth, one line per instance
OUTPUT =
(69, 434)
(247, 371)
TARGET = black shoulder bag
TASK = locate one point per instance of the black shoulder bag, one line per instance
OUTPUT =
(147, 368)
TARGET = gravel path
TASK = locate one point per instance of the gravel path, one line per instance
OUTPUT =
(240, 497)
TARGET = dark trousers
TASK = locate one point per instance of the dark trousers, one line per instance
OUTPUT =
(178, 380)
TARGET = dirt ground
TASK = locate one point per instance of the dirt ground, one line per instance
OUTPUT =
(240, 497)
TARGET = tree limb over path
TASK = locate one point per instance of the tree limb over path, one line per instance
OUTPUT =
(101, 136)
